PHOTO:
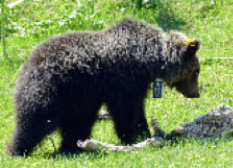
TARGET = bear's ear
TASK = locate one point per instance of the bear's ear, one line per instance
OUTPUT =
(191, 47)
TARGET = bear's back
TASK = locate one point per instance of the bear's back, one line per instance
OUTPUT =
(129, 43)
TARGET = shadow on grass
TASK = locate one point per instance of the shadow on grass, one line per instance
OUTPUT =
(84, 154)
(185, 143)
(165, 17)
(167, 20)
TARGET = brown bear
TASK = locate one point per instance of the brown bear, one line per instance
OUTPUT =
(69, 77)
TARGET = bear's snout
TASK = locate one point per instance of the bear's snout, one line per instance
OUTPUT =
(196, 95)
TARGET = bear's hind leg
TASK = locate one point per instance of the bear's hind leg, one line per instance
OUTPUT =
(29, 133)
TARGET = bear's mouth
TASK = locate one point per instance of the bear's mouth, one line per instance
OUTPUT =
(189, 95)
(193, 96)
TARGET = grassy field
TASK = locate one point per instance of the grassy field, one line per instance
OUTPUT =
(211, 22)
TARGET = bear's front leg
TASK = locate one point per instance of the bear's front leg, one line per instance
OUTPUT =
(125, 126)
(126, 107)
(141, 122)
(81, 114)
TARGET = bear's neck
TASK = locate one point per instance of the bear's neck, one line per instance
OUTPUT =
(167, 67)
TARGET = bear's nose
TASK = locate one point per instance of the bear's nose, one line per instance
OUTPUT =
(197, 95)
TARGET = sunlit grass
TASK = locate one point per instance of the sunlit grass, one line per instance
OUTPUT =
(208, 21)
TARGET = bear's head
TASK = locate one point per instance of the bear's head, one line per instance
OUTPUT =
(183, 66)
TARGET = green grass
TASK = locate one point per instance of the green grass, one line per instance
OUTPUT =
(32, 22)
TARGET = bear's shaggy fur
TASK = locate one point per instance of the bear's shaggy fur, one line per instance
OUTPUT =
(69, 77)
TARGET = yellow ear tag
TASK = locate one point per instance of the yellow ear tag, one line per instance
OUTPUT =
(189, 43)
